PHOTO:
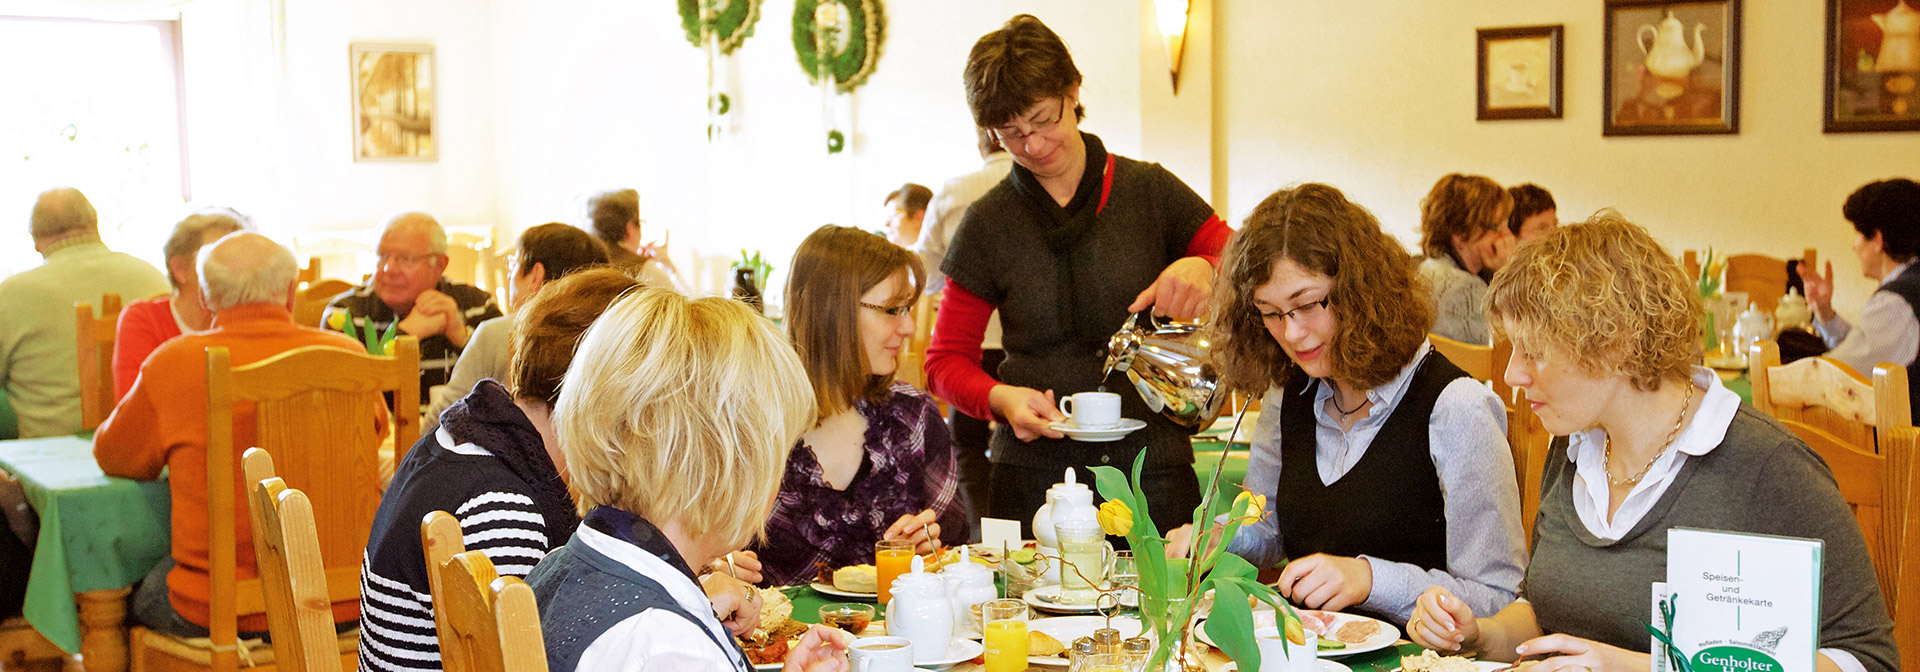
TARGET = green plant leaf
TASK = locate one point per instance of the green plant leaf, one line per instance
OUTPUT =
(1231, 625)
(348, 328)
(1141, 516)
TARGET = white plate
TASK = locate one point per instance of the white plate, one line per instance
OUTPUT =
(1483, 665)
(828, 589)
(1114, 433)
(1069, 628)
(958, 651)
(1322, 665)
(1047, 598)
(1264, 618)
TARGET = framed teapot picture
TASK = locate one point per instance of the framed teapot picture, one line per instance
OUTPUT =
(1671, 68)
(1520, 73)
(1873, 59)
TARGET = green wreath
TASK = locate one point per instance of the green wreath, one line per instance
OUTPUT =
(851, 34)
(732, 21)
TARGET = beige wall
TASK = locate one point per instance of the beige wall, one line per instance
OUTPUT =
(1377, 98)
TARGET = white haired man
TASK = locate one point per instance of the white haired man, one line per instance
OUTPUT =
(247, 280)
(409, 286)
(39, 366)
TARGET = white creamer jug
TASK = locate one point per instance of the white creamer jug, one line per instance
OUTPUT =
(921, 612)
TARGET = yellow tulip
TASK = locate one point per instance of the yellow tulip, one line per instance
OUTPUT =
(337, 320)
(1249, 508)
(1294, 632)
(1115, 518)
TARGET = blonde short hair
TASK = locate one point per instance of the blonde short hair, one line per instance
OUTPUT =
(1604, 293)
(684, 410)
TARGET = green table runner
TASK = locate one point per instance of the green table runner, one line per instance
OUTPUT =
(96, 532)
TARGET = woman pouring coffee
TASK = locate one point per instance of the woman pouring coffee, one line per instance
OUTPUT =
(1386, 464)
(1066, 247)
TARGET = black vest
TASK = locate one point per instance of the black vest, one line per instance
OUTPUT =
(1907, 287)
(1389, 505)
(599, 592)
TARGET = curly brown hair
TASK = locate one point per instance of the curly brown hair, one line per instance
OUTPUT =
(1460, 205)
(1378, 301)
(1604, 293)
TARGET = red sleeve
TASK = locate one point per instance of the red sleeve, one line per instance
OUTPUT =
(953, 356)
(1209, 240)
(143, 327)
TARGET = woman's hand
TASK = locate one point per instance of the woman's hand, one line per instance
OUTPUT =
(919, 529)
(1582, 655)
(1026, 410)
(1181, 292)
(1442, 622)
(735, 602)
(822, 649)
(745, 566)
(1328, 582)
(1820, 292)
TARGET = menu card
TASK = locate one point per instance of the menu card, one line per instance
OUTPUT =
(1741, 602)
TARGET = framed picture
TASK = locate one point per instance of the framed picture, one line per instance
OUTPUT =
(1873, 58)
(393, 102)
(1671, 67)
(1520, 73)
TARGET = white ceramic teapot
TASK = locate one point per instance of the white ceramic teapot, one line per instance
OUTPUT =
(968, 584)
(1668, 54)
(1793, 311)
(921, 612)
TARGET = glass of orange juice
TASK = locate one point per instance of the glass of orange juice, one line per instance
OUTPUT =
(1006, 634)
(891, 558)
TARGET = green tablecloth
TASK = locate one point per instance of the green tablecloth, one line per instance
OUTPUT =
(1208, 453)
(9, 422)
(96, 532)
(807, 603)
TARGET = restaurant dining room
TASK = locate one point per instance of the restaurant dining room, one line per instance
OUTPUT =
(885, 335)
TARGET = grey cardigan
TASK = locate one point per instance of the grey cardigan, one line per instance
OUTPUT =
(1760, 479)
(487, 355)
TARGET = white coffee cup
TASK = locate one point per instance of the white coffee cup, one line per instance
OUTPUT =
(1279, 655)
(1092, 410)
(881, 654)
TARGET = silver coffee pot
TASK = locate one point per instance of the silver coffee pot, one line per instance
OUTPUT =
(1169, 365)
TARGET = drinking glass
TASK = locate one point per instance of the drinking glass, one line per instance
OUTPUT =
(1084, 545)
(891, 558)
(1124, 577)
(1006, 635)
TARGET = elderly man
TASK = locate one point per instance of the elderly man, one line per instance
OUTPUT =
(408, 286)
(248, 281)
(39, 365)
(614, 217)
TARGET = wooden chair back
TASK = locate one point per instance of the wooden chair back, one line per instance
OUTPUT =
(311, 409)
(913, 359)
(464, 252)
(94, 338)
(1486, 363)
(286, 544)
(1529, 441)
(311, 273)
(310, 302)
(1827, 394)
(1762, 278)
(440, 539)
(494, 620)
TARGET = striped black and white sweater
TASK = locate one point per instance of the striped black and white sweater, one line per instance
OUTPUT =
(487, 466)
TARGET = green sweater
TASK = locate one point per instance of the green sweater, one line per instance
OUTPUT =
(1760, 479)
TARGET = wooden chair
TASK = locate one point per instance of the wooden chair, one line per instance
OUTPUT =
(486, 622)
(1763, 278)
(1530, 442)
(310, 274)
(94, 337)
(312, 410)
(310, 302)
(1486, 363)
(913, 358)
(286, 545)
(464, 253)
(1873, 461)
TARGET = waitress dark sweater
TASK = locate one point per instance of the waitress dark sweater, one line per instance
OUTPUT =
(1062, 278)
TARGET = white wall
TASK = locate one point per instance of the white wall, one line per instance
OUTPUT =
(611, 94)
(1377, 98)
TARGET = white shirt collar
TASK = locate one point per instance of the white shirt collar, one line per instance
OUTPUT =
(1702, 435)
(1383, 396)
(686, 593)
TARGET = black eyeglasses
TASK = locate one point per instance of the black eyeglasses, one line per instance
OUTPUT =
(1015, 136)
(1303, 311)
(894, 311)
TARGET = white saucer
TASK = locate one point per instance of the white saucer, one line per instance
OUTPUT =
(1114, 433)
(958, 651)
(1322, 665)
(1047, 598)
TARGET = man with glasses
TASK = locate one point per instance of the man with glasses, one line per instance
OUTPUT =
(408, 286)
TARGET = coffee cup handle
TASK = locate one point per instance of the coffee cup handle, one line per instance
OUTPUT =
(1063, 407)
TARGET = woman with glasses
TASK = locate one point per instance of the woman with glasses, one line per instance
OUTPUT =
(1065, 248)
(878, 463)
(1387, 466)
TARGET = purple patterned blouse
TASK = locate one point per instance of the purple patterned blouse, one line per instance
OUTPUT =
(909, 468)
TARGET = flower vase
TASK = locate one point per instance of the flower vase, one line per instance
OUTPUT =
(1169, 623)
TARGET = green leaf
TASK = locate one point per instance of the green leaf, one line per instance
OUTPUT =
(1231, 625)
(1141, 516)
(348, 328)
(1234, 566)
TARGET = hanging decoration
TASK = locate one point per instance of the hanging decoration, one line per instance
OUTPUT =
(718, 27)
(838, 44)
